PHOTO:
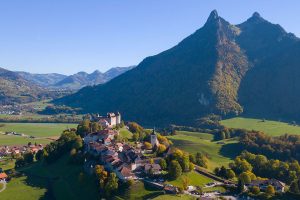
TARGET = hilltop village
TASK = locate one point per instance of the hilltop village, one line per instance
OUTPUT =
(128, 161)
(117, 155)
(147, 161)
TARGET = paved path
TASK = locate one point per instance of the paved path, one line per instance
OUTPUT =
(4, 185)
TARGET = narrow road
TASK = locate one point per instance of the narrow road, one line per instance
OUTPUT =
(4, 185)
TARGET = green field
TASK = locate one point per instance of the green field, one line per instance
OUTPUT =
(6, 140)
(124, 133)
(138, 191)
(24, 188)
(194, 178)
(218, 153)
(62, 177)
(41, 131)
(273, 128)
(37, 129)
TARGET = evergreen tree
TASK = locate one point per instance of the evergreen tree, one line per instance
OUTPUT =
(175, 169)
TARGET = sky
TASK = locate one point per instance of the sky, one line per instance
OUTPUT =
(68, 36)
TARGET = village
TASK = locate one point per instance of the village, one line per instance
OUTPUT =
(138, 161)
(131, 162)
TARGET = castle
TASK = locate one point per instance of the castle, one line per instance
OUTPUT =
(110, 120)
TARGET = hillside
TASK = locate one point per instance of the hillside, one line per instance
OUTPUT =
(15, 89)
(227, 69)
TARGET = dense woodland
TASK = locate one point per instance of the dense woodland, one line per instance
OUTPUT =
(286, 147)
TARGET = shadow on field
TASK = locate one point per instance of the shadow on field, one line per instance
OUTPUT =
(40, 182)
(231, 150)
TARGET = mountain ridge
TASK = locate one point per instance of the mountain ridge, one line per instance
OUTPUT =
(210, 71)
(74, 81)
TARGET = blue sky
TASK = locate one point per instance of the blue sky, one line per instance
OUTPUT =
(67, 36)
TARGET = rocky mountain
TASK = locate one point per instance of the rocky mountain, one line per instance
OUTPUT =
(251, 68)
(15, 89)
(75, 81)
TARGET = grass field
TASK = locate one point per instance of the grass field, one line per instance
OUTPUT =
(64, 178)
(39, 130)
(124, 133)
(219, 154)
(139, 191)
(194, 178)
(20, 189)
(273, 128)
(17, 140)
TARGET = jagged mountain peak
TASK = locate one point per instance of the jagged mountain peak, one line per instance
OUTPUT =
(213, 15)
(210, 71)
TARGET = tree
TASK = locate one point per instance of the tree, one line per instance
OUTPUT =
(161, 148)
(255, 190)
(175, 169)
(20, 162)
(185, 182)
(95, 126)
(270, 190)
(77, 143)
(294, 188)
(147, 145)
(192, 158)
(230, 174)
(245, 177)
(39, 155)
(101, 175)
(185, 162)
(83, 128)
(201, 160)
(28, 157)
(192, 166)
(241, 186)
(135, 137)
(163, 164)
(112, 184)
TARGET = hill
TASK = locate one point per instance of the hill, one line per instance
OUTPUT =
(16, 89)
(226, 69)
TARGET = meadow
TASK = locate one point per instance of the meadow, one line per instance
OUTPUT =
(219, 152)
(42, 132)
(274, 128)
(63, 179)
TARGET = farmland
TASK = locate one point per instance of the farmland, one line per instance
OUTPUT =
(273, 128)
(219, 153)
(41, 131)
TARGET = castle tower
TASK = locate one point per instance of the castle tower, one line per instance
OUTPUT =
(118, 118)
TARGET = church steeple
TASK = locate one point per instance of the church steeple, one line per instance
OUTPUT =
(153, 131)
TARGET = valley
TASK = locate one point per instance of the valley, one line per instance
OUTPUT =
(211, 111)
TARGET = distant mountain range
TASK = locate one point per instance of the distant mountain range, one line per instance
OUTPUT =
(227, 69)
(75, 81)
(23, 87)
